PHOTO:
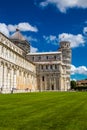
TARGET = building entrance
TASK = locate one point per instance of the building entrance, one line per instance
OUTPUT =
(52, 87)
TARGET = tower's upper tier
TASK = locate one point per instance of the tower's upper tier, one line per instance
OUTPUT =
(18, 39)
(64, 44)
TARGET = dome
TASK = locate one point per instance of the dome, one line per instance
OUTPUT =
(18, 35)
(18, 39)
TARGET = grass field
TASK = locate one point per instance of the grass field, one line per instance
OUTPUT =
(44, 111)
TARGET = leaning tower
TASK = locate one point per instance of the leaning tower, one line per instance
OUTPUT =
(66, 59)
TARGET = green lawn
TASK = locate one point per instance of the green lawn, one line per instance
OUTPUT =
(44, 111)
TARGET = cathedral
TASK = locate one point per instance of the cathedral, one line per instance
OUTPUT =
(23, 71)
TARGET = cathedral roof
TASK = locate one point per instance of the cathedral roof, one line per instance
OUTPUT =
(18, 36)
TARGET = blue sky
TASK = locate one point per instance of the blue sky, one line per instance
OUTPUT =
(45, 22)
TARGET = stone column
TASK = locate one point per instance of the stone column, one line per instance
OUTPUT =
(30, 87)
(64, 83)
(9, 79)
(12, 77)
(28, 81)
(32, 83)
(50, 82)
(45, 82)
(38, 82)
(22, 80)
(1, 75)
(35, 83)
(60, 77)
(55, 84)
(41, 83)
(5, 77)
(59, 83)
(15, 79)
(25, 80)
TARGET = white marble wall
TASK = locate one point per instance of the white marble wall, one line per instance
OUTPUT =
(11, 63)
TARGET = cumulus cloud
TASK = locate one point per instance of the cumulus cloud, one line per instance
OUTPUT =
(75, 40)
(12, 28)
(63, 5)
(85, 30)
(22, 27)
(6, 29)
(33, 49)
(30, 38)
(27, 27)
(51, 39)
(78, 70)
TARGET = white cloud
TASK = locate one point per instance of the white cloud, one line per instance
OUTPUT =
(6, 29)
(78, 70)
(76, 40)
(33, 49)
(85, 30)
(73, 80)
(22, 27)
(51, 39)
(44, 4)
(73, 69)
(30, 38)
(63, 5)
(11, 28)
(27, 27)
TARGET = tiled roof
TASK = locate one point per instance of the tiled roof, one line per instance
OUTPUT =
(17, 35)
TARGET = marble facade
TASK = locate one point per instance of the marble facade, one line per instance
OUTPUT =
(22, 71)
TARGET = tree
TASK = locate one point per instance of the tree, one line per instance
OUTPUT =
(73, 84)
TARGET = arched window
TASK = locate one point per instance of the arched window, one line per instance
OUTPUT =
(55, 57)
(52, 87)
(42, 78)
(51, 67)
(33, 58)
(47, 57)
